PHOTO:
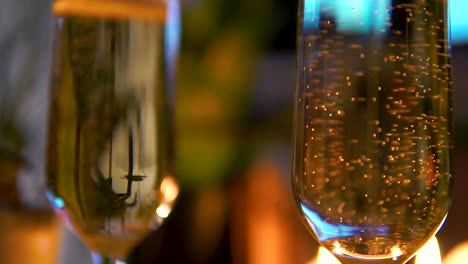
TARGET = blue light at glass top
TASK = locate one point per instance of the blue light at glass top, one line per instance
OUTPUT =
(352, 16)
(458, 21)
(361, 19)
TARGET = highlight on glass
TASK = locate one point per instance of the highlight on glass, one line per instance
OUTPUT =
(372, 172)
(109, 157)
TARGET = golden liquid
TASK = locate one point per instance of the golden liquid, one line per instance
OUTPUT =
(374, 121)
(108, 149)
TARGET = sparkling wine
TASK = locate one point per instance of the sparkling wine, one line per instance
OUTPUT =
(109, 153)
(373, 170)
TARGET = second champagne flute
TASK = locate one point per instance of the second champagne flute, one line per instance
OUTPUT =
(109, 157)
(373, 126)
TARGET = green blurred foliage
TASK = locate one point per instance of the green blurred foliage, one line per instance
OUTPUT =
(222, 41)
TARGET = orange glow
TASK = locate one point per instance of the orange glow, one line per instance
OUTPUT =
(337, 248)
(169, 189)
(457, 255)
(29, 237)
(163, 210)
(146, 10)
(267, 230)
(396, 252)
(325, 257)
(44, 242)
(429, 253)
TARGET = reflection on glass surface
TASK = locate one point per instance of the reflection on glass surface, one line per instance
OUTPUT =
(109, 150)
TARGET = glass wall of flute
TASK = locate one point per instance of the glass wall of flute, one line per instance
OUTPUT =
(109, 155)
(373, 126)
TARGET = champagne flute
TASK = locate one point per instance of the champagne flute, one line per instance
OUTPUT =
(373, 126)
(109, 157)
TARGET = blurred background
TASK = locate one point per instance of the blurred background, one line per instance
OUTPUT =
(233, 129)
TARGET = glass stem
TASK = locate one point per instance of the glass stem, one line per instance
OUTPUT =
(100, 259)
